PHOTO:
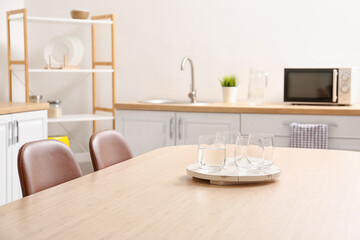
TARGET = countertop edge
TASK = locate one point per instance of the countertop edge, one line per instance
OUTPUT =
(9, 108)
(268, 108)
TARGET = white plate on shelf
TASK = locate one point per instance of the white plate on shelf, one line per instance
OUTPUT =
(233, 176)
(71, 47)
(78, 51)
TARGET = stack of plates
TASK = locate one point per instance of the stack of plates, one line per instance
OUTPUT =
(71, 47)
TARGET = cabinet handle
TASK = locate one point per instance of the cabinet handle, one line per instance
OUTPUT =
(13, 133)
(10, 126)
(179, 129)
(171, 128)
(16, 125)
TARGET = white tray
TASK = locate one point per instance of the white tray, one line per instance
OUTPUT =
(232, 176)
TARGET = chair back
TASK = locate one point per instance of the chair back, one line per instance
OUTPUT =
(45, 163)
(107, 148)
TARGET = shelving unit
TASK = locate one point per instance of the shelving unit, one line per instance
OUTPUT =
(20, 15)
(71, 70)
(79, 118)
(60, 20)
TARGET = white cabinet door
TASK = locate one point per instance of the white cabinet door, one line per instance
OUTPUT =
(344, 131)
(191, 125)
(29, 126)
(4, 155)
(146, 130)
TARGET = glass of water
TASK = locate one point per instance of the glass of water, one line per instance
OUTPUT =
(240, 153)
(231, 139)
(269, 150)
(211, 152)
(255, 151)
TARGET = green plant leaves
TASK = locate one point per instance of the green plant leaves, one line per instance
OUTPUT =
(229, 81)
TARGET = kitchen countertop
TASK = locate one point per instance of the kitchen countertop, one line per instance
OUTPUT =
(267, 108)
(12, 107)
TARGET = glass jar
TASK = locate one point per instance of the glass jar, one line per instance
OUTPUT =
(35, 98)
(54, 110)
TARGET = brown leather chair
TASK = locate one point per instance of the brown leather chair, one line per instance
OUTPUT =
(44, 164)
(107, 148)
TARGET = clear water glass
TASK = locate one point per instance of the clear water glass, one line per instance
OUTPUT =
(211, 152)
(240, 153)
(269, 150)
(255, 152)
(231, 139)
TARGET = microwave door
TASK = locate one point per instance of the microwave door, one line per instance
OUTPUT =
(310, 86)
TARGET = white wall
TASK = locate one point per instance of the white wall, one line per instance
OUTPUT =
(222, 37)
(6, 5)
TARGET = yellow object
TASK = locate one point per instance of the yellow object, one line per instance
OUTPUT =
(63, 139)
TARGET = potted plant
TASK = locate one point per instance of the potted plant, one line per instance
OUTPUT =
(229, 85)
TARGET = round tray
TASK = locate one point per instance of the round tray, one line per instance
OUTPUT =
(232, 176)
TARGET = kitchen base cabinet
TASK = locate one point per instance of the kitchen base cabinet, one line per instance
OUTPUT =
(344, 131)
(15, 130)
(4, 155)
(148, 130)
(191, 125)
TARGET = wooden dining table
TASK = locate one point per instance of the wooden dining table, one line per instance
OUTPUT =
(150, 196)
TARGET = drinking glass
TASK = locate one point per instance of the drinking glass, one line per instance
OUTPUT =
(255, 151)
(240, 152)
(269, 150)
(211, 152)
(231, 139)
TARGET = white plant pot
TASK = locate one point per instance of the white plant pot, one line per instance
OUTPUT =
(229, 94)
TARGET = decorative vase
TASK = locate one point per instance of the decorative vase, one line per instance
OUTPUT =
(229, 94)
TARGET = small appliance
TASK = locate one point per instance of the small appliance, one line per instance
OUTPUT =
(331, 86)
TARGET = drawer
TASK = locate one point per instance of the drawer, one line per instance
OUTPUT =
(279, 124)
(352, 144)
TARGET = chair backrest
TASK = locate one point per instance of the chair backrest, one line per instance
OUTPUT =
(44, 164)
(107, 148)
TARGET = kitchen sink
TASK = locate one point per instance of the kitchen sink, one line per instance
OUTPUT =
(162, 101)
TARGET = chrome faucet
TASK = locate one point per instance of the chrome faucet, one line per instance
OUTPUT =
(192, 94)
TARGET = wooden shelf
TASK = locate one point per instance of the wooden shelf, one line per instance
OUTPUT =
(35, 70)
(80, 118)
(60, 20)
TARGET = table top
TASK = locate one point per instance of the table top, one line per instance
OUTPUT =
(150, 197)
(266, 108)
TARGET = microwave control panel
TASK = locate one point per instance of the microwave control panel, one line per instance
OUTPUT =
(344, 86)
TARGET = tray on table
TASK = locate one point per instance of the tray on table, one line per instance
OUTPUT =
(233, 176)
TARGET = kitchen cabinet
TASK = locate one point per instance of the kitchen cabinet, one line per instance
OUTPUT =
(15, 130)
(148, 130)
(344, 131)
(191, 125)
(4, 154)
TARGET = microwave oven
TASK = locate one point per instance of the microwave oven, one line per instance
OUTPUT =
(331, 86)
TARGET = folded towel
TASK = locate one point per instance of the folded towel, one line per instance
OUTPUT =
(309, 135)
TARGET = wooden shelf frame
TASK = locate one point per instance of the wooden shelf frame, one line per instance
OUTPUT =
(24, 62)
(101, 19)
(108, 63)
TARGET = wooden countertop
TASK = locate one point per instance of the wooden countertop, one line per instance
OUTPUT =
(269, 108)
(12, 107)
(151, 197)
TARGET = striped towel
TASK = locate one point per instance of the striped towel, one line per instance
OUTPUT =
(309, 135)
